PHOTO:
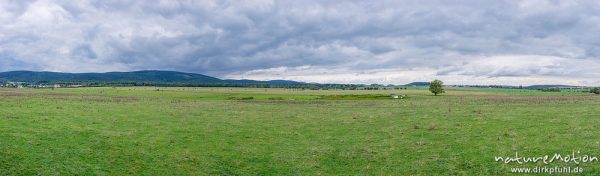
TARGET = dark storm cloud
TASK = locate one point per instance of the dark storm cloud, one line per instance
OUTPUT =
(241, 38)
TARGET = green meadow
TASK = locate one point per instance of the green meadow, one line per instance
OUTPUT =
(244, 131)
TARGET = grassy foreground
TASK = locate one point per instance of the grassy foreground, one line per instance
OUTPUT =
(236, 131)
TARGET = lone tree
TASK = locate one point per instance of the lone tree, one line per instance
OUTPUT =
(595, 90)
(436, 87)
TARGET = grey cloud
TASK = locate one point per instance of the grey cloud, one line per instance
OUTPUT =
(224, 37)
(522, 66)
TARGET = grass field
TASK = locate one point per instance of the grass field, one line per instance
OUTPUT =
(239, 131)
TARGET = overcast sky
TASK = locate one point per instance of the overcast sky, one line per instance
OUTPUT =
(390, 42)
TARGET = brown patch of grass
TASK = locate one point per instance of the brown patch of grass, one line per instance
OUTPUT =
(431, 127)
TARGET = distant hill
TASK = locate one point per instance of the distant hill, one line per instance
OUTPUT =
(550, 86)
(246, 81)
(150, 76)
(136, 76)
(419, 84)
